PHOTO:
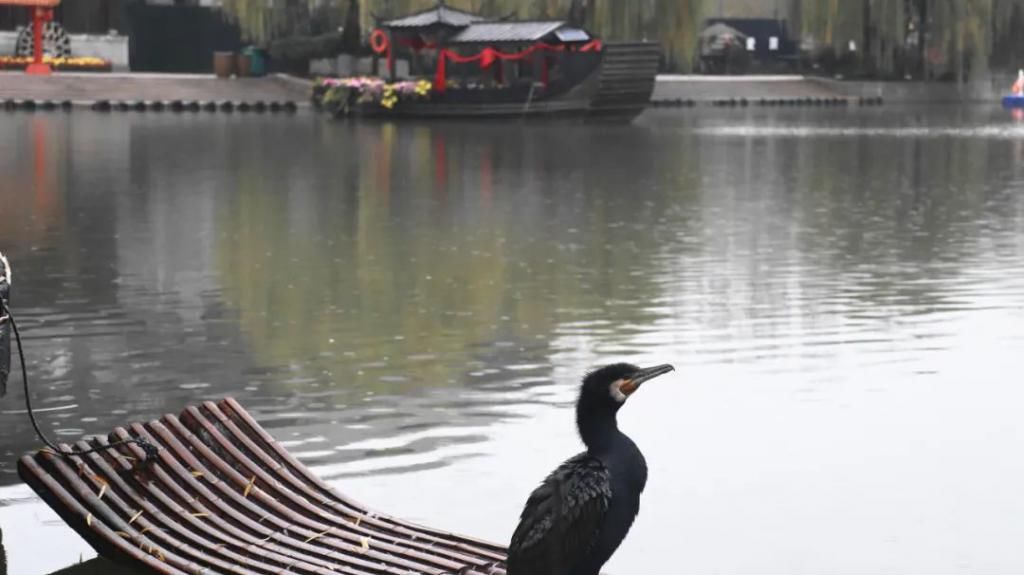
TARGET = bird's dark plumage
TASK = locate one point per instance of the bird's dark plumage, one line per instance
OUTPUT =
(582, 511)
(5, 324)
(568, 507)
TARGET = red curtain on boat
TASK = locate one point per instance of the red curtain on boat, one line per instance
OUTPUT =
(488, 56)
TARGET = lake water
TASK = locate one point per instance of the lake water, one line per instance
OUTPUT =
(410, 309)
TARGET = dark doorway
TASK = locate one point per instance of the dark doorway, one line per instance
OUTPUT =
(178, 38)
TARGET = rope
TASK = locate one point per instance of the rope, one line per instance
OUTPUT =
(151, 451)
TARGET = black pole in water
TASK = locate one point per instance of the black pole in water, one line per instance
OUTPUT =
(8, 327)
(5, 324)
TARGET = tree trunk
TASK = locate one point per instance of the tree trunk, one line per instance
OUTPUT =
(959, 27)
(867, 65)
(577, 13)
(922, 37)
(351, 35)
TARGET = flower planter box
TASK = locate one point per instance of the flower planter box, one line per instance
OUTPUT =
(84, 64)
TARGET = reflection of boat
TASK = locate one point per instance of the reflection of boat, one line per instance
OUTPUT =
(222, 496)
(491, 68)
(1016, 98)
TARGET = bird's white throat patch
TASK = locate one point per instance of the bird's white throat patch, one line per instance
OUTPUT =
(5, 268)
(616, 390)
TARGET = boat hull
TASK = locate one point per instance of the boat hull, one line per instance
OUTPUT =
(617, 88)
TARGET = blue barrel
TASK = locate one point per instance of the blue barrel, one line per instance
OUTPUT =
(257, 61)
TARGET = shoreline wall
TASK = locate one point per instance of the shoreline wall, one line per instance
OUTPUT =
(710, 88)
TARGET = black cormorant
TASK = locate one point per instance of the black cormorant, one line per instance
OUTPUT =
(580, 514)
(5, 325)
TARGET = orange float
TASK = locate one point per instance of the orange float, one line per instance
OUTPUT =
(381, 45)
(379, 42)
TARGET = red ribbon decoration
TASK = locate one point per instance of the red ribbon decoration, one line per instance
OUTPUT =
(488, 56)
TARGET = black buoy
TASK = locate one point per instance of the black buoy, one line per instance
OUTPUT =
(139, 106)
(582, 511)
(275, 106)
(192, 106)
(49, 105)
(101, 105)
(291, 107)
(66, 105)
(177, 106)
(157, 106)
(209, 106)
(10, 105)
(28, 105)
(243, 106)
(122, 106)
(227, 106)
(259, 107)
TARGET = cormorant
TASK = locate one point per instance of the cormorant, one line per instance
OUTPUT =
(580, 514)
(5, 325)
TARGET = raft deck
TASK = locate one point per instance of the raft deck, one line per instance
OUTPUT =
(223, 497)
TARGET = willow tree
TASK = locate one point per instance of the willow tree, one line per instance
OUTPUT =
(675, 24)
(955, 38)
(262, 21)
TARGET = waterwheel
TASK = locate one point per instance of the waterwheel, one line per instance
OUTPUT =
(56, 41)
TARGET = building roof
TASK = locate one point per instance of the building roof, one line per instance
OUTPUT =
(719, 29)
(480, 32)
(438, 15)
(757, 27)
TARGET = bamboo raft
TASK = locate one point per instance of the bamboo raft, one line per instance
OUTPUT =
(222, 496)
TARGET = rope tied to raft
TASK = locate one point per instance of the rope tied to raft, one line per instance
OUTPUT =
(149, 450)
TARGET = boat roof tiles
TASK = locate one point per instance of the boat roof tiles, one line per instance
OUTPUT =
(508, 31)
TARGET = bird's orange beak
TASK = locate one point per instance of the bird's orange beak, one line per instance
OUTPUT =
(634, 382)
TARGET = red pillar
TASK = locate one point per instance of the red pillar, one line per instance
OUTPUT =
(38, 67)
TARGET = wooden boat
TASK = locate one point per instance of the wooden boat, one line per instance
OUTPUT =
(478, 68)
(221, 496)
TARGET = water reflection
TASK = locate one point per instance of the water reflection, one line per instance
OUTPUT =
(409, 306)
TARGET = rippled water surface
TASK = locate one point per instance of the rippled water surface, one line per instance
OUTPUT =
(410, 308)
